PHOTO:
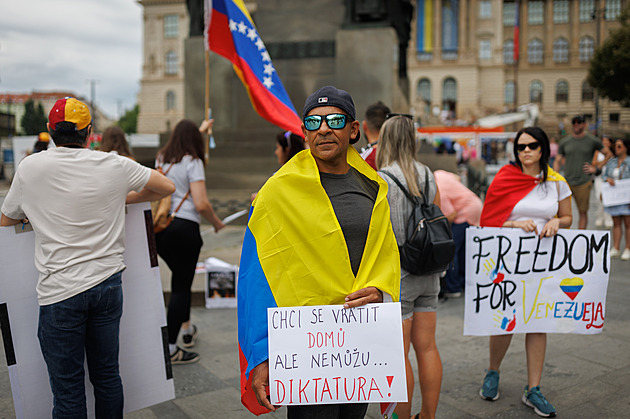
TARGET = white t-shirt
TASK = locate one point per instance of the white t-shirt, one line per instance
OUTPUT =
(541, 203)
(75, 200)
(187, 171)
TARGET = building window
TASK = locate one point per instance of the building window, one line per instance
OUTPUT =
(424, 94)
(613, 9)
(449, 95)
(171, 63)
(561, 50)
(508, 94)
(509, 13)
(170, 26)
(587, 92)
(587, 8)
(485, 49)
(450, 29)
(508, 52)
(536, 12)
(586, 48)
(614, 118)
(485, 9)
(561, 11)
(535, 51)
(170, 100)
(536, 91)
(562, 91)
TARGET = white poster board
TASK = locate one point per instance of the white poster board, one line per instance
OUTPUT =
(220, 283)
(328, 354)
(145, 367)
(616, 195)
(518, 283)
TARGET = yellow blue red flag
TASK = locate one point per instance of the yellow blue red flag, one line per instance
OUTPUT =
(230, 32)
(294, 254)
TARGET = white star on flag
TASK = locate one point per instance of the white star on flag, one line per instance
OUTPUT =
(242, 27)
(233, 25)
(251, 34)
(260, 44)
(265, 56)
(267, 82)
(269, 69)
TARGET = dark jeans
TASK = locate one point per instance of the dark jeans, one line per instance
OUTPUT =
(456, 272)
(179, 245)
(86, 325)
(328, 411)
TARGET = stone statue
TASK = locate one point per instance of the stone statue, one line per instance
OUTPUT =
(196, 14)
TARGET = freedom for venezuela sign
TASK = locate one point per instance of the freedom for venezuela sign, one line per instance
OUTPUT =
(517, 282)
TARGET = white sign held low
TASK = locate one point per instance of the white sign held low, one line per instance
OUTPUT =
(329, 354)
(616, 195)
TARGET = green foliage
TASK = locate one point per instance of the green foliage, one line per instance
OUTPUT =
(129, 121)
(34, 119)
(609, 70)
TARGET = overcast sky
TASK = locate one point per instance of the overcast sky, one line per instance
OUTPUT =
(53, 45)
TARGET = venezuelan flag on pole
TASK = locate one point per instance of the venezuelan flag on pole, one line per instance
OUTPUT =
(230, 32)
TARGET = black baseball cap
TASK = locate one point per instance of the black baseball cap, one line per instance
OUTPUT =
(331, 96)
(578, 119)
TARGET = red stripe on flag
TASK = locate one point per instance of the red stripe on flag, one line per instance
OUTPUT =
(248, 398)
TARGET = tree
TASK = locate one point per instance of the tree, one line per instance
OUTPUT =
(609, 70)
(34, 120)
(129, 121)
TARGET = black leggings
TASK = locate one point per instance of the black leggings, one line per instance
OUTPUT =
(179, 245)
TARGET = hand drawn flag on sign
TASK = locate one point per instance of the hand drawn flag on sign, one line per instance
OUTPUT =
(230, 32)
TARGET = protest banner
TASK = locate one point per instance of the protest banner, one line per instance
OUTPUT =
(329, 354)
(616, 195)
(517, 282)
(145, 367)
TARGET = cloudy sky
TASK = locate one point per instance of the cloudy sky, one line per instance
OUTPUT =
(59, 45)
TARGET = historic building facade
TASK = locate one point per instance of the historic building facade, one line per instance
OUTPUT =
(161, 97)
(466, 59)
(469, 58)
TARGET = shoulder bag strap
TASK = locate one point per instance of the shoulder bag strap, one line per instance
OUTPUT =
(402, 188)
(185, 196)
(180, 204)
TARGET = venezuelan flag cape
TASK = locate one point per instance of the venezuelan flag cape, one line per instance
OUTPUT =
(230, 32)
(294, 254)
(508, 187)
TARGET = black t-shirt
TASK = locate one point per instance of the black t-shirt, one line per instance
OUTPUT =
(352, 196)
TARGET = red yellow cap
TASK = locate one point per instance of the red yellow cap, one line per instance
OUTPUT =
(72, 110)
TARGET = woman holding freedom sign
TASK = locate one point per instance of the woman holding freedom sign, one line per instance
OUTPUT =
(618, 168)
(530, 195)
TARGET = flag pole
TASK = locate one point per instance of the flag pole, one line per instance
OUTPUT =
(207, 103)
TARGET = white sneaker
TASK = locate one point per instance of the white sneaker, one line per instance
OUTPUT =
(626, 254)
(599, 222)
(614, 253)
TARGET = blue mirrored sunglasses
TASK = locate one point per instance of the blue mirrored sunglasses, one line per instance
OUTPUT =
(333, 120)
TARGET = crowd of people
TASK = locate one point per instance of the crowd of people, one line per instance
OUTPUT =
(322, 231)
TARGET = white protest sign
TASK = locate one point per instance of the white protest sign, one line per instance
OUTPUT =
(144, 364)
(616, 195)
(517, 282)
(329, 354)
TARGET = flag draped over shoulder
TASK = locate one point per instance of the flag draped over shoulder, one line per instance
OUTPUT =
(230, 32)
(294, 254)
(508, 187)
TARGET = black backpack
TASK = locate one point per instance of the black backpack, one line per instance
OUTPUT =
(429, 245)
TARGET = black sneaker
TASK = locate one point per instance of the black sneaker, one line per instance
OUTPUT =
(188, 341)
(184, 357)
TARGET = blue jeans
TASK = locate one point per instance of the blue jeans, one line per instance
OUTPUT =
(86, 325)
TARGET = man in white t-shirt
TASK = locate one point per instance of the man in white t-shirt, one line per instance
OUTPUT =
(75, 200)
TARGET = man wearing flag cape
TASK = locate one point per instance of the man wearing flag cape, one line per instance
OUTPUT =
(319, 233)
